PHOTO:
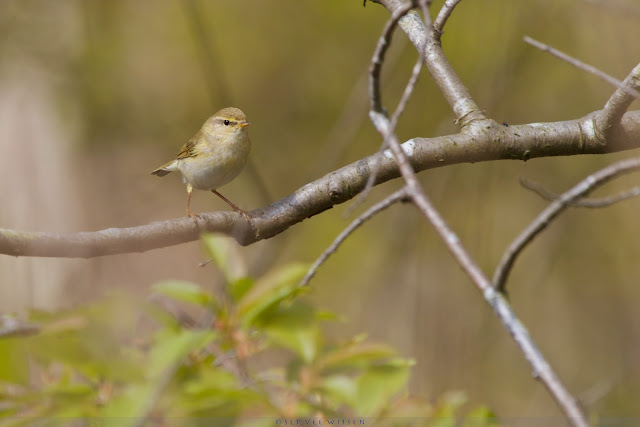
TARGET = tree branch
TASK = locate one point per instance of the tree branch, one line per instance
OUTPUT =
(454, 91)
(375, 93)
(501, 307)
(581, 202)
(578, 64)
(443, 15)
(553, 210)
(521, 142)
(355, 224)
(621, 99)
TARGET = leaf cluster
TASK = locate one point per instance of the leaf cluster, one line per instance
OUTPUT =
(252, 354)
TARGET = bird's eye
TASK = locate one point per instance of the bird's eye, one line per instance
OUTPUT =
(226, 122)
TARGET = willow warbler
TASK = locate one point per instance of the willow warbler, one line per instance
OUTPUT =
(214, 156)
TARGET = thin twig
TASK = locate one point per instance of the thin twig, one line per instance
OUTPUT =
(581, 65)
(454, 91)
(355, 224)
(501, 307)
(384, 42)
(541, 222)
(620, 100)
(618, 103)
(580, 203)
(351, 119)
(443, 15)
(402, 104)
(541, 368)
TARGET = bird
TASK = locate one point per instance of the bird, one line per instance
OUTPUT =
(214, 156)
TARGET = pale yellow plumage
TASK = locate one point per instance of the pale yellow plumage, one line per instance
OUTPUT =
(214, 156)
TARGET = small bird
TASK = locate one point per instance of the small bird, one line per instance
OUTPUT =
(214, 156)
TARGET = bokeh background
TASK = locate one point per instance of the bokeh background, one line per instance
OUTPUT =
(96, 94)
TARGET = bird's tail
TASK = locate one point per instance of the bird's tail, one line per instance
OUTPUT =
(164, 169)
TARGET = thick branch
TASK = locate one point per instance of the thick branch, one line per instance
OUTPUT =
(494, 143)
(443, 74)
(498, 303)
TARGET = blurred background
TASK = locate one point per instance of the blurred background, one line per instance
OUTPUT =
(96, 94)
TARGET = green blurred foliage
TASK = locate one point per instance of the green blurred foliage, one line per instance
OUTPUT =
(128, 82)
(99, 363)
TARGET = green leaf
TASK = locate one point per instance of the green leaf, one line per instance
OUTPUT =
(378, 384)
(14, 363)
(295, 328)
(355, 355)
(325, 315)
(88, 341)
(224, 251)
(164, 318)
(130, 406)
(342, 388)
(180, 290)
(269, 291)
(481, 416)
(208, 398)
(238, 288)
(210, 380)
(449, 402)
(138, 399)
(171, 348)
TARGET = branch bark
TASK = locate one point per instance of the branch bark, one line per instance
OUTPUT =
(544, 219)
(518, 142)
(500, 306)
(454, 91)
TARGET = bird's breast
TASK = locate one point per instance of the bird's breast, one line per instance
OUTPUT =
(216, 165)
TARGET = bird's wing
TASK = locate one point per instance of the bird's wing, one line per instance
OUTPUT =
(188, 149)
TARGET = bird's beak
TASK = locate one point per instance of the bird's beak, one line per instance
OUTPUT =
(244, 124)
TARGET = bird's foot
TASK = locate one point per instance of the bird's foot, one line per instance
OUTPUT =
(244, 214)
(193, 216)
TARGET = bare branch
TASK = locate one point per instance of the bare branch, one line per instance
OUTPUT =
(454, 91)
(355, 224)
(542, 370)
(580, 203)
(575, 62)
(351, 119)
(621, 99)
(619, 102)
(384, 42)
(443, 15)
(553, 210)
(498, 303)
(376, 103)
(516, 142)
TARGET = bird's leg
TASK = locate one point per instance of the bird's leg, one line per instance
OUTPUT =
(189, 191)
(230, 203)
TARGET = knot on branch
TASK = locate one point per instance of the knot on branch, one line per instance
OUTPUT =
(595, 128)
(471, 118)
